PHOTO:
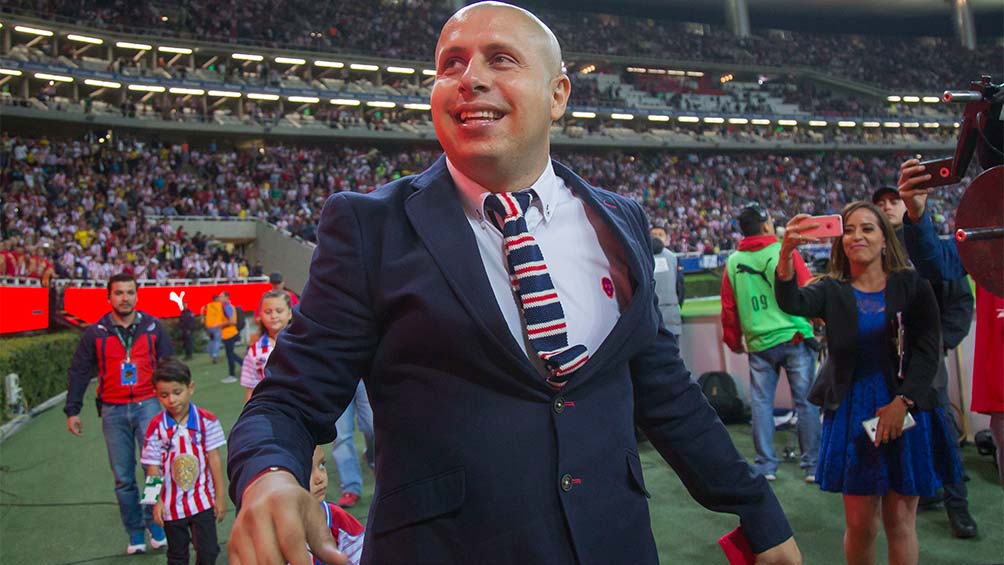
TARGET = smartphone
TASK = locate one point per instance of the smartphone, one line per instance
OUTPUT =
(829, 226)
(871, 425)
(941, 171)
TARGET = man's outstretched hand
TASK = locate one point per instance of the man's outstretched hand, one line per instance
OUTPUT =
(278, 519)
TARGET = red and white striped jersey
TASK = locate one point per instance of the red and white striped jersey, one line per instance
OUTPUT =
(181, 452)
(347, 531)
(253, 368)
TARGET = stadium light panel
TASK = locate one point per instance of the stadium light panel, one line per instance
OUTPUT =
(345, 102)
(363, 67)
(658, 118)
(57, 78)
(639, 70)
(893, 99)
(870, 124)
(955, 125)
(787, 123)
(932, 125)
(657, 71)
(85, 39)
(259, 96)
(622, 116)
(329, 64)
(911, 124)
(761, 122)
(102, 83)
(381, 104)
(175, 50)
(225, 93)
(429, 72)
(583, 114)
(695, 74)
(131, 45)
(192, 91)
(931, 99)
(891, 124)
(911, 99)
(304, 99)
(817, 123)
(146, 88)
(714, 120)
(676, 73)
(290, 61)
(247, 57)
(846, 124)
(688, 119)
(11, 72)
(418, 106)
(738, 121)
(33, 30)
(401, 70)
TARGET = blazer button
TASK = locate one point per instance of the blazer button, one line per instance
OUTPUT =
(558, 405)
(566, 482)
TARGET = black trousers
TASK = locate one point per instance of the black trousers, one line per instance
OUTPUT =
(956, 496)
(189, 340)
(200, 530)
(233, 360)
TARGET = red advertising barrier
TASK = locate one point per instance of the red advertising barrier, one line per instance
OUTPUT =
(24, 308)
(90, 304)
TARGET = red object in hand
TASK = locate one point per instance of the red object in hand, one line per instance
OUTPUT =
(737, 548)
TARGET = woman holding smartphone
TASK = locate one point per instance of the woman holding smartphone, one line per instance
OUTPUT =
(883, 339)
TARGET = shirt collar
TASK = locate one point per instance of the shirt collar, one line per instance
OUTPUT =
(472, 194)
(192, 423)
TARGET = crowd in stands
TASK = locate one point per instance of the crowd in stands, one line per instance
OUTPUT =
(407, 29)
(90, 208)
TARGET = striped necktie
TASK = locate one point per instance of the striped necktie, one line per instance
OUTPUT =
(531, 281)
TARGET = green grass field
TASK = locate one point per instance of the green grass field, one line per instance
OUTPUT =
(57, 503)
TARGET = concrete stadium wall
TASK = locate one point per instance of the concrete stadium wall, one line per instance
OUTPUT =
(217, 228)
(279, 251)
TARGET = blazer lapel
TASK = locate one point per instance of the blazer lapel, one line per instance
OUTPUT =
(438, 217)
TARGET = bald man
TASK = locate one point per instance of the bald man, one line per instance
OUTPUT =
(502, 314)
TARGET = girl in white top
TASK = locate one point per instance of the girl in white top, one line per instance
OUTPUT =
(276, 314)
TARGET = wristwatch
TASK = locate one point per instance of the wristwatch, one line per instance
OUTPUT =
(907, 401)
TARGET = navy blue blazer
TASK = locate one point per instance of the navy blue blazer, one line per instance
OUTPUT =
(478, 460)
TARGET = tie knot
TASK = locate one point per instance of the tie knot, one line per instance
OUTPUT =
(508, 206)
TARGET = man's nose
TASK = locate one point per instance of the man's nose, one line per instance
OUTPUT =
(475, 77)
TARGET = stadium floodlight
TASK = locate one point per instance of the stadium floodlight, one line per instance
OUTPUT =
(911, 99)
(418, 106)
(891, 124)
(329, 64)
(131, 45)
(911, 124)
(57, 78)
(870, 124)
(787, 123)
(818, 123)
(714, 120)
(363, 67)
(247, 57)
(345, 102)
(33, 30)
(955, 125)
(290, 61)
(304, 99)
(658, 118)
(738, 121)
(146, 88)
(622, 116)
(893, 99)
(225, 93)
(85, 39)
(380, 104)
(401, 70)
(846, 123)
(932, 125)
(587, 115)
(260, 96)
(931, 99)
(639, 70)
(761, 122)
(657, 71)
(676, 73)
(175, 50)
(11, 72)
(695, 74)
(191, 91)
(429, 72)
(102, 83)
(688, 119)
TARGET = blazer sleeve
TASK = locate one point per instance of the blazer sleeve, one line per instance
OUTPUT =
(934, 258)
(315, 367)
(682, 426)
(923, 342)
(808, 301)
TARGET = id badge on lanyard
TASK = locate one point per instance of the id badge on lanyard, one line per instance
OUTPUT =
(128, 371)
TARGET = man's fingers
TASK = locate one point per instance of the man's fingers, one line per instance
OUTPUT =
(265, 548)
(321, 542)
(291, 539)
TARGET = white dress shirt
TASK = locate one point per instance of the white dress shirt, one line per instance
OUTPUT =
(584, 259)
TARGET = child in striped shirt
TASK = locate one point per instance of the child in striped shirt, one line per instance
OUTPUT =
(346, 530)
(182, 445)
(276, 313)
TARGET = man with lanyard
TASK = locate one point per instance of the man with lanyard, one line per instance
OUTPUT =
(122, 350)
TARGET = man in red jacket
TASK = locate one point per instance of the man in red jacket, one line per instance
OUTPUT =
(122, 350)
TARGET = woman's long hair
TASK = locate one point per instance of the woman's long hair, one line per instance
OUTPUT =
(894, 258)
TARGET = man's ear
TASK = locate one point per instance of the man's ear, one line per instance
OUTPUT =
(561, 89)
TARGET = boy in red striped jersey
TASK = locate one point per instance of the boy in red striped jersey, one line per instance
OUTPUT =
(346, 530)
(185, 440)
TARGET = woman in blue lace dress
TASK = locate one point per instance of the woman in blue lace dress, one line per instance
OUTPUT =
(883, 341)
